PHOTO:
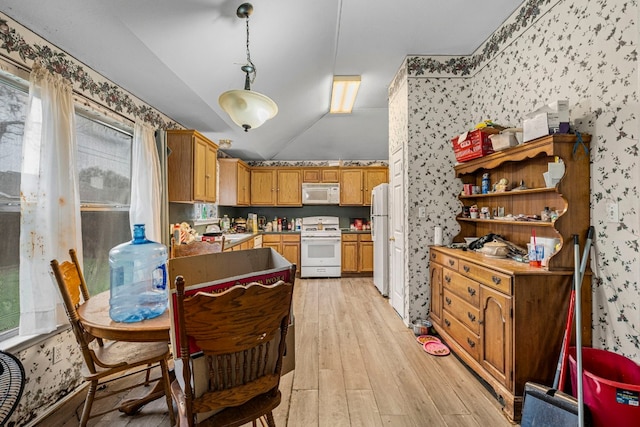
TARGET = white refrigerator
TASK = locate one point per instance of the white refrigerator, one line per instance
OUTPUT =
(380, 237)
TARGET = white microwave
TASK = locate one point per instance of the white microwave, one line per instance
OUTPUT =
(320, 194)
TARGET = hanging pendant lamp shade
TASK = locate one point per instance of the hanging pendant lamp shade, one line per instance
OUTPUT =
(247, 109)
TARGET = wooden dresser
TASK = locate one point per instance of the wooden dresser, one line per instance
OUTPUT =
(503, 318)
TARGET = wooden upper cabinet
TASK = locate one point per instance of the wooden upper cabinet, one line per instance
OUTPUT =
(192, 167)
(263, 186)
(351, 187)
(356, 184)
(289, 191)
(235, 183)
(323, 174)
(373, 176)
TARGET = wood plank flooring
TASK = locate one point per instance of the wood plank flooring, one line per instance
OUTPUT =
(356, 365)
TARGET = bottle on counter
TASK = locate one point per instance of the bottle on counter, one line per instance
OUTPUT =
(298, 224)
(225, 223)
(285, 224)
(279, 224)
(138, 281)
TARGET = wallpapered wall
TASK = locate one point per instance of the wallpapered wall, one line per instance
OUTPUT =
(46, 383)
(581, 50)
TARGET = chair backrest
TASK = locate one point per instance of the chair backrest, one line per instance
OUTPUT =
(72, 286)
(242, 333)
(197, 248)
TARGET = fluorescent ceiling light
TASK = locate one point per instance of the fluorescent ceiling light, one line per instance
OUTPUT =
(343, 94)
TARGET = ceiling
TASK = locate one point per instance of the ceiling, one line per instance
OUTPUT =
(180, 55)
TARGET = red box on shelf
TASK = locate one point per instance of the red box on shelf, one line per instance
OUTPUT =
(471, 145)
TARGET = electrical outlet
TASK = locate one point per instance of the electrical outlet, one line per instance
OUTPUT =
(422, 212)
(612, 212)
(56, 355)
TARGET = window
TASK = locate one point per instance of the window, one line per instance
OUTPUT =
(104, 176)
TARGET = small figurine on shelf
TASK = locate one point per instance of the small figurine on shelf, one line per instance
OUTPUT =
(501, 186)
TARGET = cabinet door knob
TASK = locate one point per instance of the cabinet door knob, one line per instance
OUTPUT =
(471, 291)
(466, 268)
(392, 239)
(471, 343)
(448, 300)
(496, 280)
(471, 317)
(446, 322)
(451, 262)
(447, 279)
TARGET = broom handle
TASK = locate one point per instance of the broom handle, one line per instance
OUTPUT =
(578, 331)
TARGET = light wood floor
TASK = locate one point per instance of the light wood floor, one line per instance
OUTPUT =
(356, 365)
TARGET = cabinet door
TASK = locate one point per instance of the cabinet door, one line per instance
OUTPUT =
(311, 175)
(291, 251)
(289, 187)
(349, 256)
(365, 257)
(201, 153)
(435, 271)
(372, 178)
(263, 187)
(244, 185)
(211, 174)
(275, 246)
(330, 175)
(351, 187)
(495, 334)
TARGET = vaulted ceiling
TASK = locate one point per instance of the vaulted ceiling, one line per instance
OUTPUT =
(180, 55)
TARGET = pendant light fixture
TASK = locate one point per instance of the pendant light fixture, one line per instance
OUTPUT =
(248, 109)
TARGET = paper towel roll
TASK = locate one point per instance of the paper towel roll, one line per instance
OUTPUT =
(437, 236)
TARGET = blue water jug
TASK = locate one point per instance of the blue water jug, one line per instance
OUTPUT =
(138, 279)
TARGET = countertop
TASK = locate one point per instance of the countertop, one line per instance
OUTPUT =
(233, 239)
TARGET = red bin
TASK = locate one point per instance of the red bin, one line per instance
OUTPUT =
(610, 386)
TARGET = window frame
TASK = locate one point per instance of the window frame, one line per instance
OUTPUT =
(89, 110)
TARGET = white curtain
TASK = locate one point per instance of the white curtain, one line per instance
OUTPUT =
(50, 202)
(146, 193)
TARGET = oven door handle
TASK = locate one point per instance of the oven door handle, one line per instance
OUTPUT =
(321, 239)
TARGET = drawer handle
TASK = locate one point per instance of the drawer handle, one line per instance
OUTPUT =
(471, 343)
(447, 279)
(433, 256)
(496, 280)
(448, 300)
(471, 291)
(446, 322)
(472, 317)
(466, 268)
(451, 262)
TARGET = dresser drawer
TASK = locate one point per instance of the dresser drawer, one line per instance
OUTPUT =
(447, 261)
(463, 311)
(463, 336)
(496, 280)
(465, 288)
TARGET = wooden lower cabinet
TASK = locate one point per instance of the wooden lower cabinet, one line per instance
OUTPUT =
(357, 253)
(504, 319)
(287, 245)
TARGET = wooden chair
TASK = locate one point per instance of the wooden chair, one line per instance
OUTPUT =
(108, 361)
(236, 331)
(197, 248)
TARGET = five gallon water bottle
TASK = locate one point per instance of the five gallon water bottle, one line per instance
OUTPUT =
(138, 279)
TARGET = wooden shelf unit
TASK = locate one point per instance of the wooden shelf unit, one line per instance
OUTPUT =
(503, 318)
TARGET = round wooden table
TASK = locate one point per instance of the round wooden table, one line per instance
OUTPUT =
(94, 316)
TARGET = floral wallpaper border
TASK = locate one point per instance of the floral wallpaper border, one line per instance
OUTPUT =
(110, 95)
(459, 66)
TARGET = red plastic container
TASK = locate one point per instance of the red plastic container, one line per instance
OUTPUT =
(610, 386)
(476, 144)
